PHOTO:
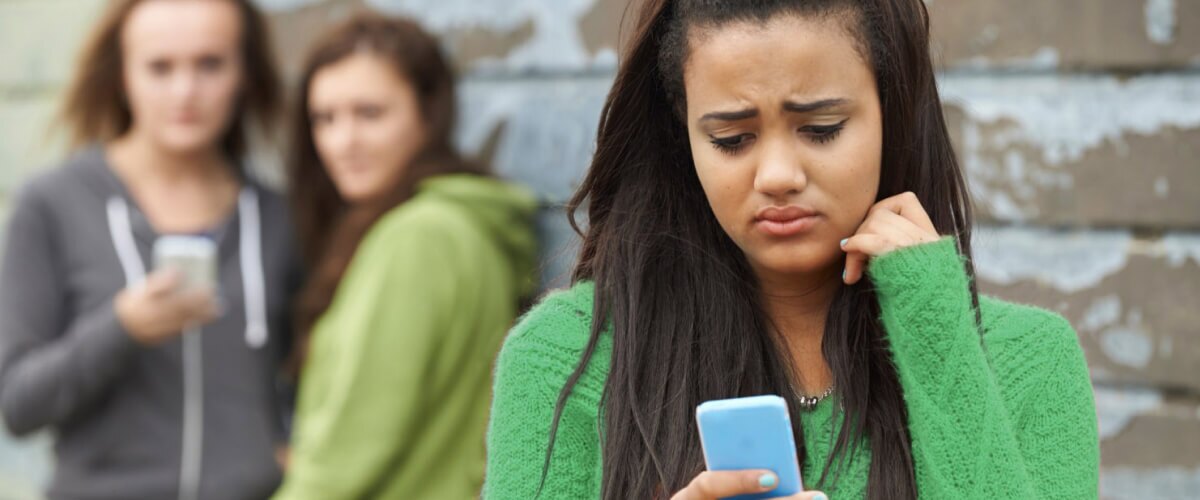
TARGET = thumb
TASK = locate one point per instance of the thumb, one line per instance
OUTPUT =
(162, 281)
(856, 262)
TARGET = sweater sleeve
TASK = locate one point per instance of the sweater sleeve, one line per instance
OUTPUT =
(534, 364)
(363, 387)
(976, 433)
(51, 366)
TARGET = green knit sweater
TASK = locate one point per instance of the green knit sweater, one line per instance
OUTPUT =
(1012, 416)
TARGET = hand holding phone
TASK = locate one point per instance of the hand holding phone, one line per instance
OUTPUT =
(749, 450)
(180, 293)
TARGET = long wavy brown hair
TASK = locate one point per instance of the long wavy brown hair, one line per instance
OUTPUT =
(330, 229)
(95, 108)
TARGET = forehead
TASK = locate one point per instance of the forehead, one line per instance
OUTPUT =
(182, 26)
(785, 56)
(358, 75)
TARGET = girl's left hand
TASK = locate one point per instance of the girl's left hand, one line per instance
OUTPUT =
(893, 223)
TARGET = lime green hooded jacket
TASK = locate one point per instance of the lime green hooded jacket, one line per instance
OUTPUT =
(394, 396)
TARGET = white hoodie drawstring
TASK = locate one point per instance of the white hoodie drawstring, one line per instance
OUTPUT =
(191, 451)
(254, 291)
(122, 237)
(253, 286)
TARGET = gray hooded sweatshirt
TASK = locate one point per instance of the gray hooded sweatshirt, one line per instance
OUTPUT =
(196, 417)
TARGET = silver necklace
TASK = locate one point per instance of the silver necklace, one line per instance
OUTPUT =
(807, 403)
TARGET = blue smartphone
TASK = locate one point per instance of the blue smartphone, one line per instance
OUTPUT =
(751, 433)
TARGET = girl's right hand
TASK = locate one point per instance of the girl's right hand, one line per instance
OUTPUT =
(157, 309)
(713, 485)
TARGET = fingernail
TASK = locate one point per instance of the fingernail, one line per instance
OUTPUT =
(820, 496)
(843, 243)
(843, 275)
(766, 480)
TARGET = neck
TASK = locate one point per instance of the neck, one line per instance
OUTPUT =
(143, 160)
(798, 307)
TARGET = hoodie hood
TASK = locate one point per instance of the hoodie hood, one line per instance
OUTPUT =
(505, 211)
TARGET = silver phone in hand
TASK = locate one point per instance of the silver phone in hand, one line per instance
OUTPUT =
(195, 257)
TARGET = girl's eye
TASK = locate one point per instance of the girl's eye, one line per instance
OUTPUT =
(369, 111)
(160, 67)
(320, 118)
(211, 64)
(731, 145)
(822, 134)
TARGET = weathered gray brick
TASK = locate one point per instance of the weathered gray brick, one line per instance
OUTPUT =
(1131, 300)
(1148, 443)
(39, 39)
(27, 143)
(1066, 34)
(1080, 150)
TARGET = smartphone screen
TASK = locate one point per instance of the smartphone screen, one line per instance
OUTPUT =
(751, 433)
(195, 257)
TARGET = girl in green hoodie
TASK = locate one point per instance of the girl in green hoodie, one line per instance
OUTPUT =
(774, 207)
(418, 262)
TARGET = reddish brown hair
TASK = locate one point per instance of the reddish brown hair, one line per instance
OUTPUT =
(329, 228)
(95, 108)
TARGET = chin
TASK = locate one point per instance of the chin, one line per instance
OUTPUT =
(791, 267)
(794, 260)
(187, 142)
(356, 194)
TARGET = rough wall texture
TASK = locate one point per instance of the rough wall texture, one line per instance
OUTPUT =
(1078, 122)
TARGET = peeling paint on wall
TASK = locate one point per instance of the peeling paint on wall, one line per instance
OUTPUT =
(1162, 187)
(1125, 343)
(1018, 131)
(1065, 117)
(1179, 247)
(556, 39)
(277, 5)
(1158, 482)
(1160, 21)
(1067, 262)
(1128, 345)
(1104, 311)
(549, 129)
(1115, 408)
(1044, 59)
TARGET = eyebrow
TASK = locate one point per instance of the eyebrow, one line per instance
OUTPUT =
(789, 106)
(809, 107)
(729, 116)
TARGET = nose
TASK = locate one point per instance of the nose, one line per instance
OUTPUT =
(185, 84)
(339, 134)
(780, 170)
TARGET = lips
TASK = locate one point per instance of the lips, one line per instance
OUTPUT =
(185, 116)
(358, 170)
(786, 221)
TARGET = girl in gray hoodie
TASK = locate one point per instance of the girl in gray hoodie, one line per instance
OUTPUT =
(153, 390)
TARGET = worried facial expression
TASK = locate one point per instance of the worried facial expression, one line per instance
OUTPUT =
(785, 128)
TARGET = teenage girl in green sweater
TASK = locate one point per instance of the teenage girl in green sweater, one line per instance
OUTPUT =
(774, 207)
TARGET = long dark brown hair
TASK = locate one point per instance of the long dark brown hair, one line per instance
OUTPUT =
(684, 307)
(95, 108)
(329, 228)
